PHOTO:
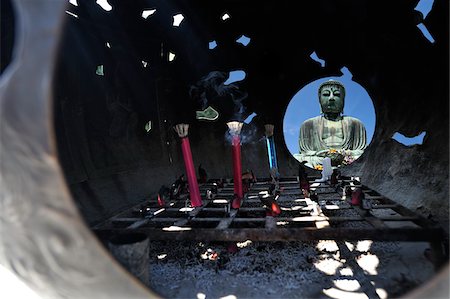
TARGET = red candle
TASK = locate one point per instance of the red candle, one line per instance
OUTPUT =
(194, 192)
(237, 170)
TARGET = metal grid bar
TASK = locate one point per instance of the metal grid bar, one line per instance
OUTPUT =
(300, 219)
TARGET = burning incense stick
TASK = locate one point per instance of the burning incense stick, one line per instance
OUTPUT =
(194, 192)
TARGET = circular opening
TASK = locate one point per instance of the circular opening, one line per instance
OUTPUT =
(311, 134)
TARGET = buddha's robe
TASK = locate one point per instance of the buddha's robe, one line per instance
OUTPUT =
(352, 139)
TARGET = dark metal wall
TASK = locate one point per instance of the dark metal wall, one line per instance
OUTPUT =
(109, 160)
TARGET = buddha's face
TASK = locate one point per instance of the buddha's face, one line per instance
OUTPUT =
(331, 99)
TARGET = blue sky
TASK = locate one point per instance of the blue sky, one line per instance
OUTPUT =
(424, 6)
(305, 104)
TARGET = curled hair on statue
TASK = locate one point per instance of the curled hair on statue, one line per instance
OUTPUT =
(332, 82)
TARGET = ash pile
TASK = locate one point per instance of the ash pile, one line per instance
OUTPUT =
(322, 269)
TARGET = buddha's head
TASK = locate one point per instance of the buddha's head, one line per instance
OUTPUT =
(331, 97)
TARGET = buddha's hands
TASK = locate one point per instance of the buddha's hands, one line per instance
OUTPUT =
(322, 153)
(336, 156)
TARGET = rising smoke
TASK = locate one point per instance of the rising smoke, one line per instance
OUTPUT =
(249, 135)
(228, 99)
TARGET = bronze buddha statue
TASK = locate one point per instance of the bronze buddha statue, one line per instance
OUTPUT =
(332, 134)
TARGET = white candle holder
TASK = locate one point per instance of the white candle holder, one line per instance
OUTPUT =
(182, 130)
(269, 129)
(234, 127)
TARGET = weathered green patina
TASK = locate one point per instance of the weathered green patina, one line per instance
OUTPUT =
(340, 137)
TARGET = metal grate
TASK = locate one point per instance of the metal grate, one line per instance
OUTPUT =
(330, 217)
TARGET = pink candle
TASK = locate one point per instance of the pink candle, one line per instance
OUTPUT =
(194, 192)
(237, 171)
